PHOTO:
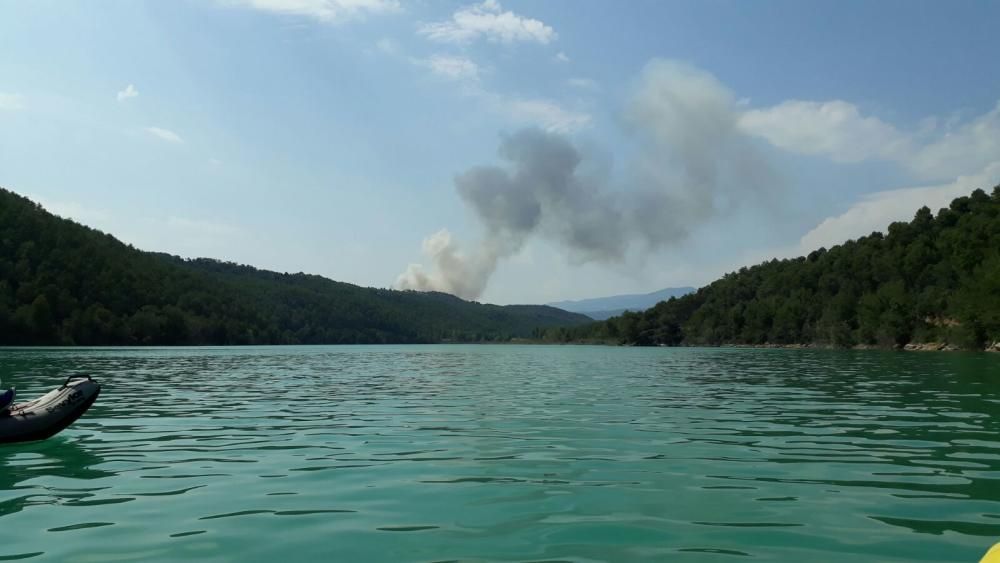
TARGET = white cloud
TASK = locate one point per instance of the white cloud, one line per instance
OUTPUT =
(960, 149)
(11, 102)
(583, 83)
(877, 210)
(128, 92)
(835, 129)
(326, 11)
(549, 115)
(452, 67)
(546, 114)
(561, 57)
(488, 20)
(164, 134)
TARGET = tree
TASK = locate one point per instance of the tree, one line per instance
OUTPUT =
(933, 278)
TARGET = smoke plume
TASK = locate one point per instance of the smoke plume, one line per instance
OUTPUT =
(691, 164)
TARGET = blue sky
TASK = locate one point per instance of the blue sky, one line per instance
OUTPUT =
(357, 139)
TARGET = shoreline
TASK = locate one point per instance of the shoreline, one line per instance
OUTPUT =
(909, 347)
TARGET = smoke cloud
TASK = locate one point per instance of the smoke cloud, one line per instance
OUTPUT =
(454, 272)
(692, 163)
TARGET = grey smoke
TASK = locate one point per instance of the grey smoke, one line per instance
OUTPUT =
(692, 164)
(541, 189)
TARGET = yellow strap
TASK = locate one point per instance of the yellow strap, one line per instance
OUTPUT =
(992, 556)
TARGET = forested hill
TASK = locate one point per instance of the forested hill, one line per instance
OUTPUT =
(64, 283)
(934, 279)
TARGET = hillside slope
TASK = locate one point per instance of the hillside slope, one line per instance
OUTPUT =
(64, 283)
(934, 279)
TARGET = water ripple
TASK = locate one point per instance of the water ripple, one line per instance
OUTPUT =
(528, 453)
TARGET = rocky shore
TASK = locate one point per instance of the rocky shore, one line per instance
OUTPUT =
(911, 347)
(931, 347)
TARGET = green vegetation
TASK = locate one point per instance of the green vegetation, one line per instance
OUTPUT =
(65, 284)
(934, 279)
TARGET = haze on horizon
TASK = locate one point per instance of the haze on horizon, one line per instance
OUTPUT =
(510, 152)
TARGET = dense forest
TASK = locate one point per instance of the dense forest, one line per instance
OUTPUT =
(934, 279)
(62, 283)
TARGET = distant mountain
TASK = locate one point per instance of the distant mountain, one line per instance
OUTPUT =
(63, 283)
(604, 315)
(600, 308)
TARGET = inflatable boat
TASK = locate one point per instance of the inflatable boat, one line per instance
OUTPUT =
(49, 414)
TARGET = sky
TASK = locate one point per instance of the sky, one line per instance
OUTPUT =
(504, 151)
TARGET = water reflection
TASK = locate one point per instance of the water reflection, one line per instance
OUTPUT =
(27, 474)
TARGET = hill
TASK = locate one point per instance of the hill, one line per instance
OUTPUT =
(934, 279)
(600, 308)
(62, 283)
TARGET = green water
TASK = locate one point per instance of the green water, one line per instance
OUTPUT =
(481, 453)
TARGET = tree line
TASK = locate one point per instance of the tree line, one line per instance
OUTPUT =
(62, 283)
(933, 279)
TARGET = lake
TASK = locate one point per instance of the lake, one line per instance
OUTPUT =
(484, 453)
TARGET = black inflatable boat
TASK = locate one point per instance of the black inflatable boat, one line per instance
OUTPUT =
(49, 414)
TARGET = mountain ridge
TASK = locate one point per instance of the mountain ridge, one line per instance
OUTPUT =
(62, 283)
(600, 308)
